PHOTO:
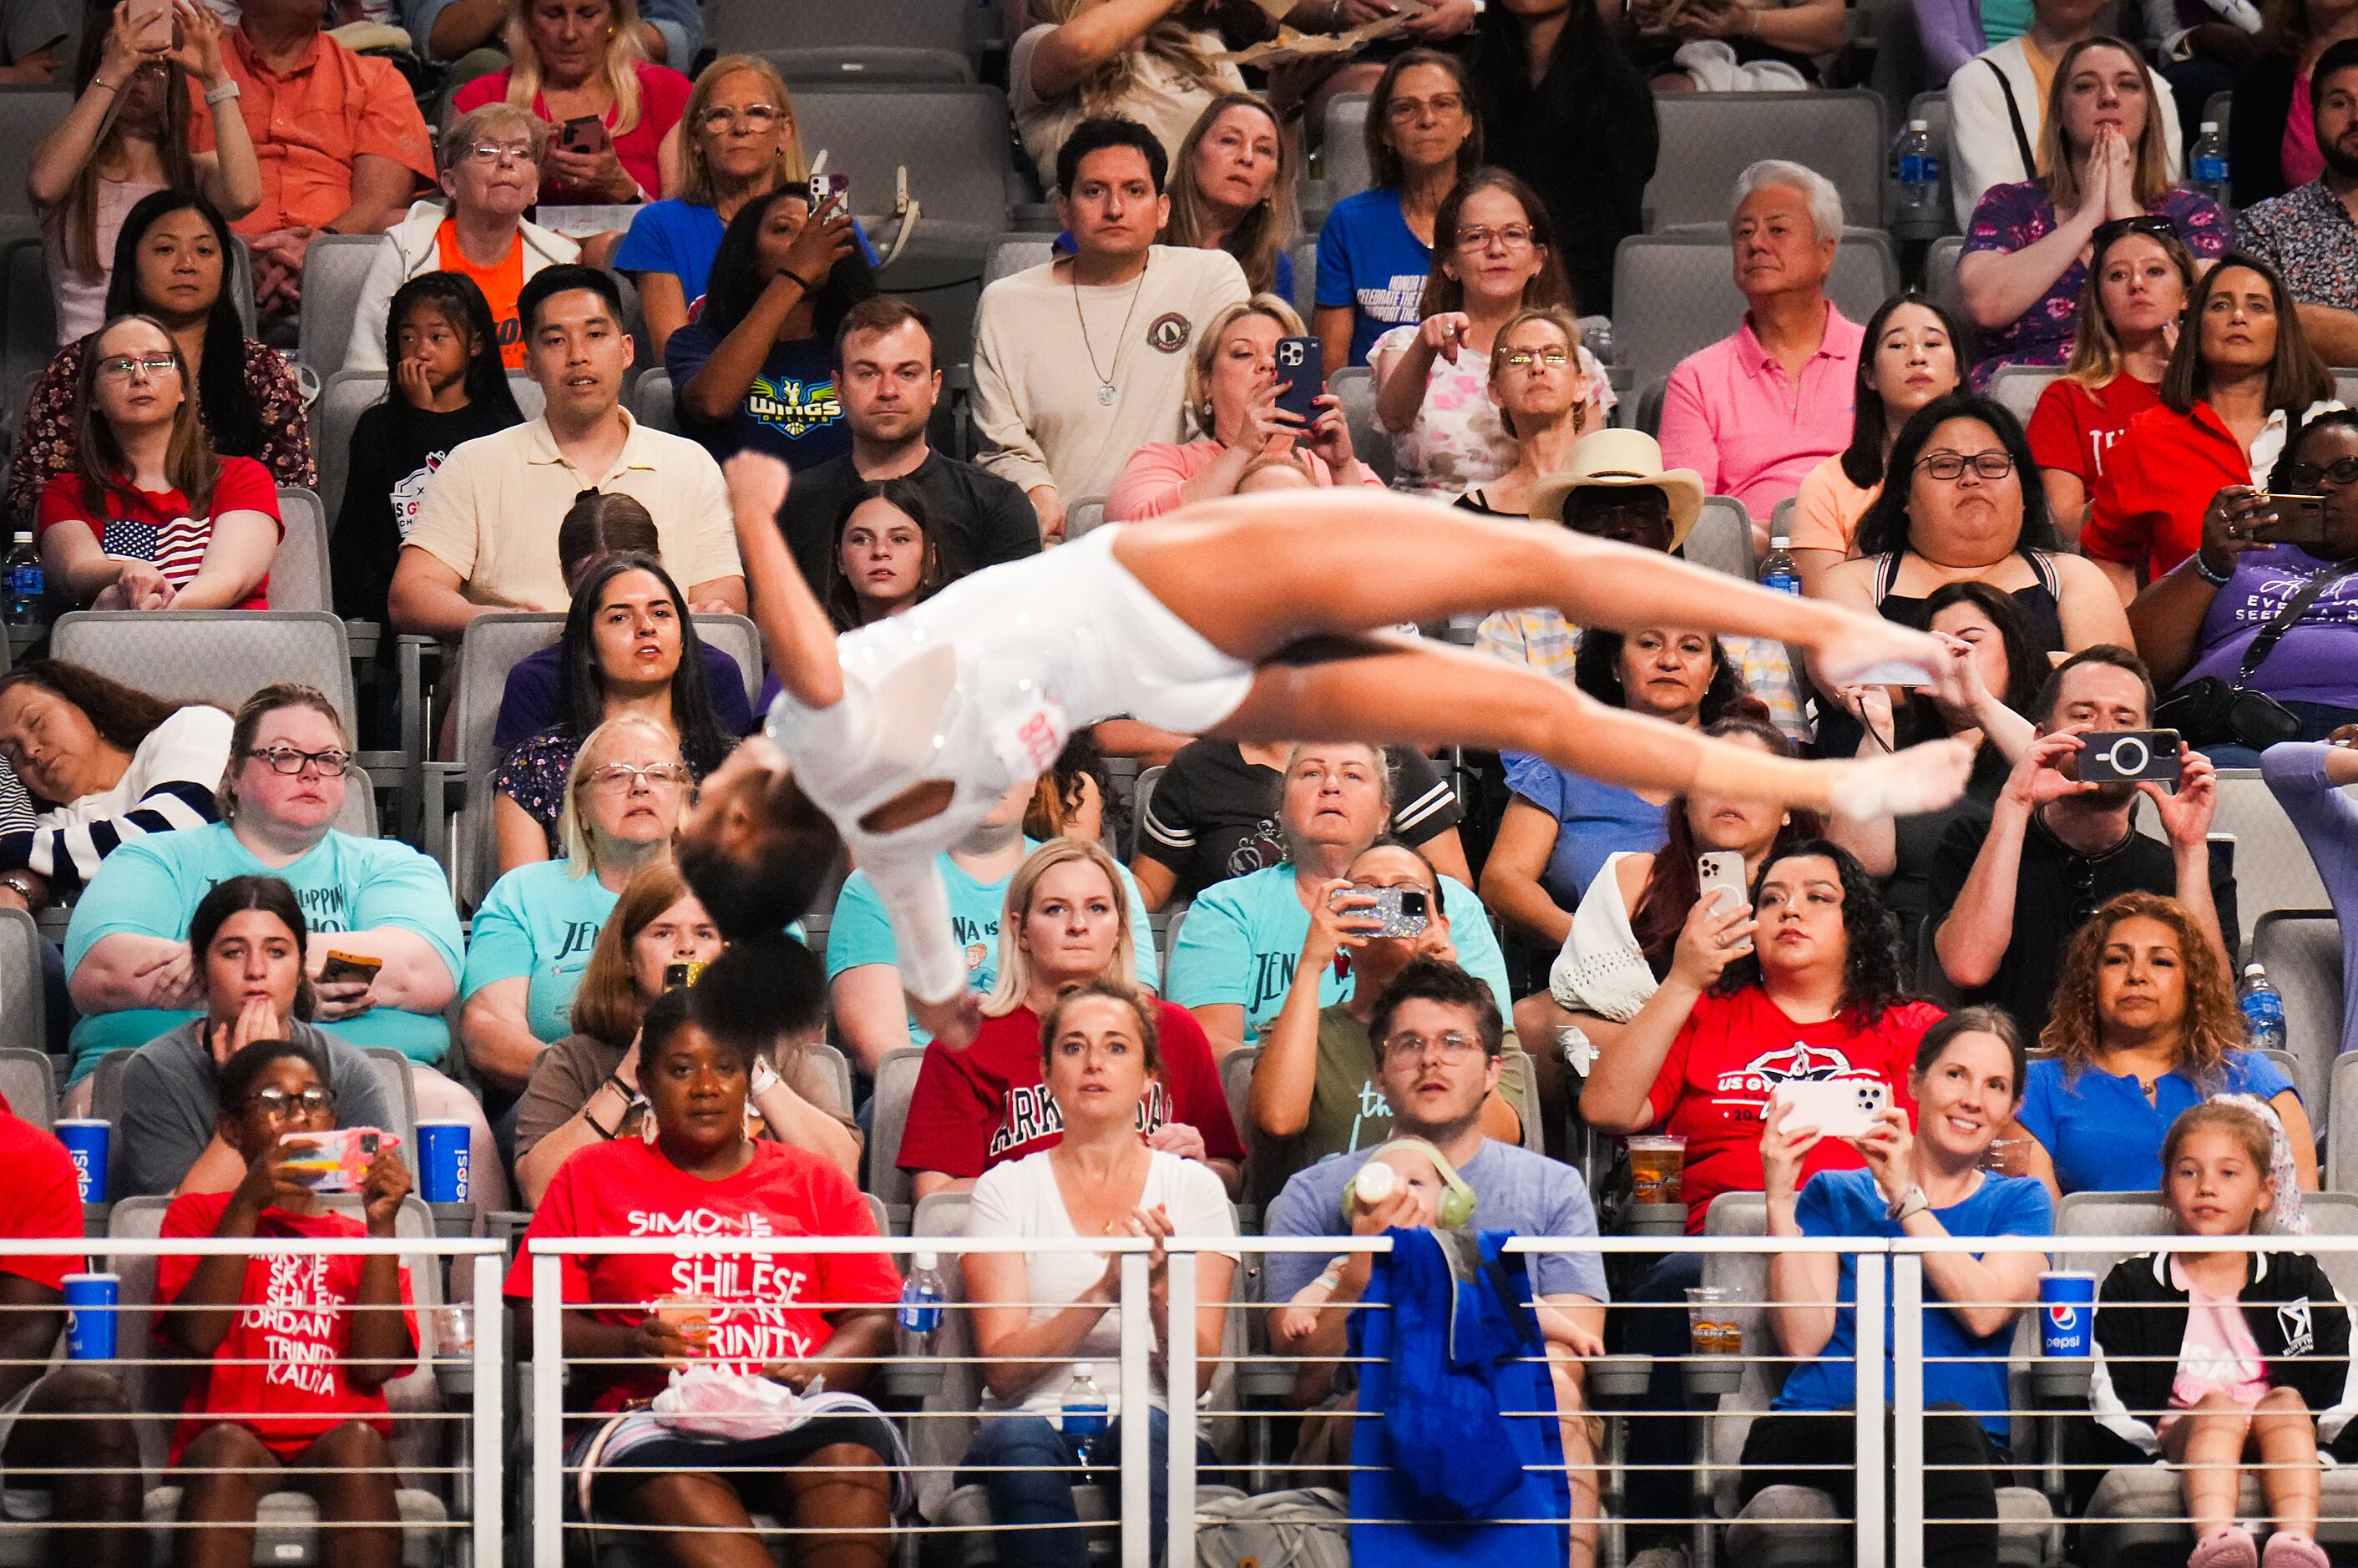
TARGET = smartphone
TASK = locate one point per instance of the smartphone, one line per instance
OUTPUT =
(682, 974)
(1301, 373)
(584, 134)
(350, 967)
(150, 24)
(1838, 1107)
(1724, 869)
(2130, 756)
(338, 1161)
(2301, 520)
(1398, 911)
(827, 188)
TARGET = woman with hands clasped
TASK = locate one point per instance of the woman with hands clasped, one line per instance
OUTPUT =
(294, 1394)
(1924, 1185)
(1101, 1178)
(1233, 382)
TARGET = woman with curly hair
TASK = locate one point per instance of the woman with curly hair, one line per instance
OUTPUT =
(2143, 1026)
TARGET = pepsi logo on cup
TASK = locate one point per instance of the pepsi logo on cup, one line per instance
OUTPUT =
(2067, 1301)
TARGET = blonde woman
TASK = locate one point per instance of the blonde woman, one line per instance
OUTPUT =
(1133, 58)
(1232, 388)
(737, 140)
(1232, 189)
(582, 66)
(1064, 922)
(1544, 406)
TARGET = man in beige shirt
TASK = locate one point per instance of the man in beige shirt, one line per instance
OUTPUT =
(485, 537)
(1081, 361)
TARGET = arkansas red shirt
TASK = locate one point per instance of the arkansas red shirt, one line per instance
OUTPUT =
(1735, 1052)
(155, 525)
(38, 1198)
(2072, 428)
(987, 1105)
(770, 1307)
(279, 1371)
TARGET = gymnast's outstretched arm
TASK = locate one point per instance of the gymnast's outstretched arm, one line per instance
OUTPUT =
(795, 631)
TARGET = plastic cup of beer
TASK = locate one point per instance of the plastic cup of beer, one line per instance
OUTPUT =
(1711, 1322)
(1656, 1162)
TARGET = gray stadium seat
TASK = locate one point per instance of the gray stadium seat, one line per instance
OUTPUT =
(398, 1079)
(1343, 154)
(1371, 442)
(29, 1083)
(746, 27)
(28, 322)
(2220, 107)
(896, 1083)
(2018, 388)
(334, 267)
(343, 398)
(1673, 294)
(2273, 869)
(24, 1021)
(869, 66)
(1722, 539)
(1932, 108)
(1305, 252)
(1941, 276)
(1084, 515)
(951, 141)
(2302, 951)
(26, 114)
(652, 403)
(1012, 254)
(298, 572)
(1708, 139)
(2341, 1147)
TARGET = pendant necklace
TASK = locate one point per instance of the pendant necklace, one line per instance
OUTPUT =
(1106, 378)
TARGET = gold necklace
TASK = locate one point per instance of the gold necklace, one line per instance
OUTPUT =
(1106, 380)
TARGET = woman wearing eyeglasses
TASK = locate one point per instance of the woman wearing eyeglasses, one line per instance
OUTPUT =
(149, 518)
(629, 648)
(2241, 378)
(491, 160)
(1543, 397)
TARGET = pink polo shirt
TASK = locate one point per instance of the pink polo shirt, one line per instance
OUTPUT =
(1736, 418)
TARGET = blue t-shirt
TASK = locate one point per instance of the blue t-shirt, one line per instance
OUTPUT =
(791, 411)
(681, 237)
(1594, 822)
(1514, 1190)
(1370, 260)
(539, 921)
(861, 933)
(1242, 938)
(2103, 1133)
(152, 887)
(1959, 1368)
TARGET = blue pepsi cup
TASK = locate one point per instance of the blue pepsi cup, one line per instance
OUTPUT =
(2067, 1313)
(90, 1316)
(442, 1161)
(86, 1141)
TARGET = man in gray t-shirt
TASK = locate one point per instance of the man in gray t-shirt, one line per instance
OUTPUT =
(169, 1103)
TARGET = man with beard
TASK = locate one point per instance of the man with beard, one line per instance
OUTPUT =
(2053, 850)
(2310, 234)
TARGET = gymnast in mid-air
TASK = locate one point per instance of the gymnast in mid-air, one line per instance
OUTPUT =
(1257, 619)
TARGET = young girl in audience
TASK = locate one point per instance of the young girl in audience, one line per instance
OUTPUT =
(1416, 1167)
(2261, 1342)
(447, 386)
(887, 553)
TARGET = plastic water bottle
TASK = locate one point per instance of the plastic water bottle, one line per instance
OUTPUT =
(921, 1305)
(2263, 1005)
(1777, 571)
(2208, 163)
(1916, 163)
(26, 582)
(1085, 1413)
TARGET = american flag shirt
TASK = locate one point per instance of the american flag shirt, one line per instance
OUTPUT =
(155, 525)
(177, 548)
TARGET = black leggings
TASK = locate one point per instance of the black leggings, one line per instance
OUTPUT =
(1961, 1474)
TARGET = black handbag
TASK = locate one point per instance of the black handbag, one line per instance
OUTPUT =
(2214, 711)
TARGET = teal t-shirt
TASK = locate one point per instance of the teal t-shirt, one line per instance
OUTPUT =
(540, 922)
(860, 932)
(151, 887)
(2003, 20)
(1242, 938)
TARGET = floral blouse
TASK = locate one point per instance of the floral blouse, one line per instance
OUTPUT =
(2013, 217)
(45, 440)
(534, 777)
(1457, 441)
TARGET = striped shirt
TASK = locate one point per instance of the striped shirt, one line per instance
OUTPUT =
(168, 785)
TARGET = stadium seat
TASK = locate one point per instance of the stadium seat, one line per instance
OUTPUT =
(343, 398)
(2273, 869)
(1262, 1179)
(27, 113)
(1083, 516)
(2138, 1511)
(397, 1078)
(334, 271)
(837, 1067)
(871, 65)
(951, 143)
(2302, 950)
(2341, 1173)
(1371, 442)
(1932, 108)
(751, 26)
(1343, 153)
(1941, 276)
(28, 322)
(1012, 253)
(652, 403)
(2018, 388)
(23, 1007)
(298, 572)
(1673, 294)
(1708, 139)
(1722, 538)
(896, 1083)
(2220, 107)
(29, 1083)
(1305, 252)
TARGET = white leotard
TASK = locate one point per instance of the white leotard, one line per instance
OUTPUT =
(980, 686)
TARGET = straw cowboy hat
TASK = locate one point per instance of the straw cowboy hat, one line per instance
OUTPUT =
(1621, 460)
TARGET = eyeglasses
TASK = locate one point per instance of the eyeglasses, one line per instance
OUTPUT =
(277, 1104)
(2143, 223)
(288, 761)
(754, 116)
(490, 153)
(1452, 1047)
(1510, 236)
(2344, 472)
(1401, 110)
(1524, 358)
(619, 778)
(1948, 467)
(122, 367)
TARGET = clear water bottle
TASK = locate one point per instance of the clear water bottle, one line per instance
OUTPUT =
(921, 1305)
(25, 581)
(2207, 163)
(1086, 1417)
(1916, 164)
(2263, 1005)
(1778, 570)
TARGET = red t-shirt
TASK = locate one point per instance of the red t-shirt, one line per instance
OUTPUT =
(39, 1198)
(155, 525)
(626, 1188)
(2159, 481)
(1734, 1054)
(284, 1353)
(987, 1105)
(2072, 427)
(662, 99)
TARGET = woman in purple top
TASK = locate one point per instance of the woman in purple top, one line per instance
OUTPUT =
(2106, 152)
(2308, 779)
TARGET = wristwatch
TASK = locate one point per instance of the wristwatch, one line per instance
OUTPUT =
(765, 1077)
(1912, 1203)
